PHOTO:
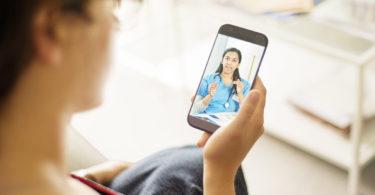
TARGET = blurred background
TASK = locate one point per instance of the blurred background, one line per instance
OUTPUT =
(319, 70)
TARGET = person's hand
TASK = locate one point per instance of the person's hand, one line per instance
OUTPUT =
(192, 98)
(225, 149)
(104, 173)
(239, 86)
(212, 88)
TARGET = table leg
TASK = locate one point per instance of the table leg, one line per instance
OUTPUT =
(356, 135)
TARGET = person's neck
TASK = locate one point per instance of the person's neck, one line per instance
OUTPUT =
(31, 136)
(226, 76)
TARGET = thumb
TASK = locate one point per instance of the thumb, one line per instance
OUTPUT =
(248, 106)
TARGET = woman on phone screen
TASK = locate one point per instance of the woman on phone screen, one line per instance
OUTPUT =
(224, 90)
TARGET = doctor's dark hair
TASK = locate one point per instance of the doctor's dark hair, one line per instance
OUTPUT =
(16, 42)
(236, 73)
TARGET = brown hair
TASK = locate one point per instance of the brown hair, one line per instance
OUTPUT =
(16, 44)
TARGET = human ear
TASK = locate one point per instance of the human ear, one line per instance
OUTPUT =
(45, 38)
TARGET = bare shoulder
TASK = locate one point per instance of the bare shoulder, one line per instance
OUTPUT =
(73, 187)
(78, 188)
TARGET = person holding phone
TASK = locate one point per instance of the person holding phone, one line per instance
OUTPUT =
(53, 61)
(224, 90)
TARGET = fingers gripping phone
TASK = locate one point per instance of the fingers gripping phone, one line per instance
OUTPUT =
(228, 77)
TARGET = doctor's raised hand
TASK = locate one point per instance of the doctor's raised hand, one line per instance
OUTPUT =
(239, 86)
(212, 88)
(226, 148)
(240, 89)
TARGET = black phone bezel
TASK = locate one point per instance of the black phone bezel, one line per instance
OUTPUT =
(235, 32)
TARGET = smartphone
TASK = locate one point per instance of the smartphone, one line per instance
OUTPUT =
(229, 75)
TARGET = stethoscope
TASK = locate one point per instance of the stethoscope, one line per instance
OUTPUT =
(226, 105)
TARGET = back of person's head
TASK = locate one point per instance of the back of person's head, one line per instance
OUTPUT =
(70, 38)
(16, 42)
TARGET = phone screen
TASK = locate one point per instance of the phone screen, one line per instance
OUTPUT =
(227, 79)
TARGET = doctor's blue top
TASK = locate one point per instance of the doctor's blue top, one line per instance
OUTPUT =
(223, 94)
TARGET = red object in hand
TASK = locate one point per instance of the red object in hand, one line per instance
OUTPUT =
(103, 190)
